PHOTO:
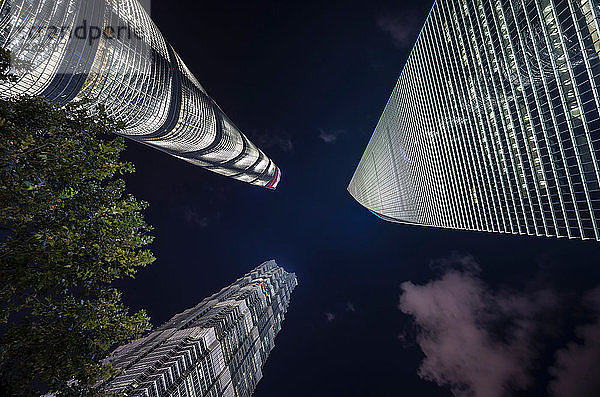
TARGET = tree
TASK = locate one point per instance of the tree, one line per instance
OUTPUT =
(5, 66)
(67, 231)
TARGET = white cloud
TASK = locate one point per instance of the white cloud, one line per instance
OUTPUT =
(193, 217)
(401, 28)
(329, 136)
(458, 318)
(267, 139)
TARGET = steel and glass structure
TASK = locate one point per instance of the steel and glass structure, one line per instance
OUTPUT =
(494, 122)
(110, 53)
(216, 348)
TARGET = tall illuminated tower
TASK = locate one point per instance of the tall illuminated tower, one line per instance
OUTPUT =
(494, 122)
(216, 348)
(110, 53)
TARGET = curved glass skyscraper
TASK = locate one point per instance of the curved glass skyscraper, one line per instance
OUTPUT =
(494, 123)
(110, 53)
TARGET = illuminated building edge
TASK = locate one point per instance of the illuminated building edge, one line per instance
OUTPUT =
(130, 70)
(216, 348)
(494, 123)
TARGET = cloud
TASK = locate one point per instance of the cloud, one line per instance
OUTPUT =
(330, 136)
(283, 143)
(266, 139)
(193, 218)
(476, 341)
(350, 307)
(467, 263)
(577, 366)
(330, 316)
(401, 28)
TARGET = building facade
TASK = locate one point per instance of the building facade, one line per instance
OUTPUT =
(216, 348)
(494, 122)
(110, 53)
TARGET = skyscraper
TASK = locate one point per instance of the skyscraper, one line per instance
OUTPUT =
(216, 348)
(494, 122)
(110, 53)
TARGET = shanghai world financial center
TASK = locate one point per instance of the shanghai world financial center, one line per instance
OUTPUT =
(494, 122)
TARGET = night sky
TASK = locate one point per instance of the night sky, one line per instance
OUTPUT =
(381, 309)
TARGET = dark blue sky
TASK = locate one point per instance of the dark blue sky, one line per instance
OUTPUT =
(307, 81)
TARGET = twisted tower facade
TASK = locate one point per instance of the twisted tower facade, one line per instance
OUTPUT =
(110, 53)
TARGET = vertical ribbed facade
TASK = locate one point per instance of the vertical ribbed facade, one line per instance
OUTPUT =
(216, 348)
(110, 53)
(494, 122)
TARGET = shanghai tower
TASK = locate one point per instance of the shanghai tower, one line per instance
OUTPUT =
(216, 348)
(110, 53)
(494, 123)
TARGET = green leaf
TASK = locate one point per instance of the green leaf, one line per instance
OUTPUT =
(73, 231)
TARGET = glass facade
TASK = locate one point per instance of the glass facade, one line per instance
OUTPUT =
(494, 122)
(216, 348)
(110, 53)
